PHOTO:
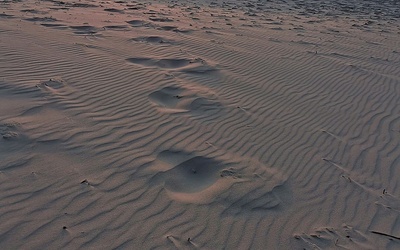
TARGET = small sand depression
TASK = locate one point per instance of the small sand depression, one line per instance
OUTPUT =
(168, 28)
(194, 66)
(84, 29)
(160, 19)
(138, 23)
(167, 63)
(113, 10)
(55, 25)
(344, 237)
(51, 84)
(3, 15)
(169, 97)
(117, 27)
(190, 178)
(41, 19)
(8, 130)
(153, 39)
(193, 175)
(181, 99)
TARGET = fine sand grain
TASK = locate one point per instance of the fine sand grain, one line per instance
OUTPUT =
(200, 124)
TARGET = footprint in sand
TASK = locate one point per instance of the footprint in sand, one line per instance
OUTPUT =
(8, 131)
(172, 63)
(52, 87)
(160, 19)
(51, 84)
(189, 178)
(346, 237)
(153, 40)
(85, 30)
(41, 19)
(174, 29)
(55, 25)
(33, 11)
(117, 27)
(113, 10)
(179, 99)
(4, 15)
(240, 185)
(138, 23)
(193, 66)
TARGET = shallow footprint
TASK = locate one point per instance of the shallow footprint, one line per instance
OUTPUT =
(41, 19)
(84, 29)
(153, 40)
(193, 175)
(179, 99)
(51, 84)
(138, 23)
(117, 27)
(8, 130)
(55, 25)
(194, 66)
(189, 178)
(345, 237)
(169, 97)
(172, 63)
(224, 180)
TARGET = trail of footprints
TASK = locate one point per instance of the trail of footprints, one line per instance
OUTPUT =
(240, 185)
(27, 126)
(182, 97)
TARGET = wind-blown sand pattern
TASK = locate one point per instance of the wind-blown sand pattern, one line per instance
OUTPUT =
(200, 124)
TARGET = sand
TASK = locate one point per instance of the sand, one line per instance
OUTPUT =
(199, 124)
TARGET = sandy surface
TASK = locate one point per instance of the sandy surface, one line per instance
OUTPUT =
(199, 125)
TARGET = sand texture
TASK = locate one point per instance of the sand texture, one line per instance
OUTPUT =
(199, 124)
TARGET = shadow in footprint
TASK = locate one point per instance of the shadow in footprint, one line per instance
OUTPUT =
(8, 131)
(174, 29)
(84, 29)
(114, 10)
(160, 19)
(4, 15)
(162, 63)
(225, 180)
(193, 175)
(138, 23)
(55, 26)
(153, 39)
(41, 19)
(179, 99)
(189, 178)
(117, 27)
(192, 66)
(51, 84)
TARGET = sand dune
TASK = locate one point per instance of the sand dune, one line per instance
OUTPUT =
(199, 125)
